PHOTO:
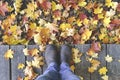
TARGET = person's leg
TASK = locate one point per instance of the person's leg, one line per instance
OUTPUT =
(51, 73)
(65, 71)
(51, 57)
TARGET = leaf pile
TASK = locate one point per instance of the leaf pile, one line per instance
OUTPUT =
(59, 21)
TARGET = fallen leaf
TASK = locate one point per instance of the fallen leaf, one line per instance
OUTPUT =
(96, 46)
(98, 10)
(76, 55)
(65, 26)
(3, 9)
(37, 62)
(118, 7)
(33, 52)
(29, 73)
(103, 71)
(91, 69)
(108, 3)
(25, 51)
(21, 66)
(105, 77)
(72, 67)
(8, 54)
(56, 6)
(42, 47)
(82, 3)
(17, 5)
(45, 4)
(52, 27)
(106, 21)
(108, 58)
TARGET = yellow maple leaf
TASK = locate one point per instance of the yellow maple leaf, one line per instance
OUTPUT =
(100, 16)
(65, 26)
(56, 6)
(12, 39)
(101, 36)
(32, 26)
(82, 3)
(86, 35)
(93, 22)
(13, 29)
(106, 21)
(76, 55)
(108, 3)
(31, 7)
(98, 10)
(21, 66)
(85, 21)
(8, 54)
(103, 71)
(77, 60)
(79, 22)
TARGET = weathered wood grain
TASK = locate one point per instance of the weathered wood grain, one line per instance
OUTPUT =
(4, 64)
(45, 65)
(82, 67)
(29, 58)
(101, 58)
(114, 67)
(18, 58)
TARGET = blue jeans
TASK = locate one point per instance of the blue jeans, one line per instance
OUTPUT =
(53, 73)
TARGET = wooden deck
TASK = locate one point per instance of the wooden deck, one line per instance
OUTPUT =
(9, 69)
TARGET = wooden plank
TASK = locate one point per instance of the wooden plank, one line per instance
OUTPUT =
(82, 67)
(4, 64)
(101, 58)
(114, 67)
(18, 58)
(29, 58)
(45, 65)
